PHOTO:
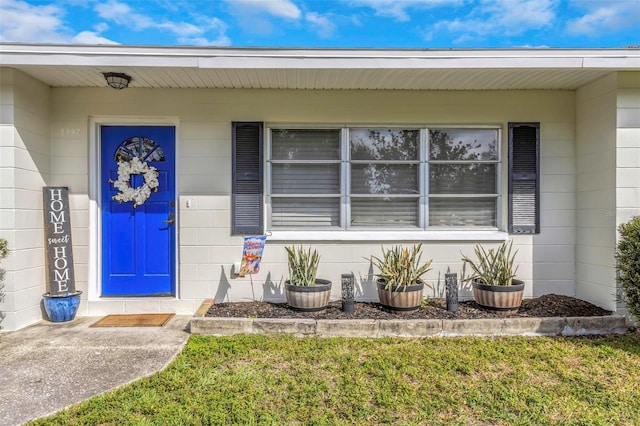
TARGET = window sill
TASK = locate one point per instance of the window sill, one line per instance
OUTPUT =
(439, 235)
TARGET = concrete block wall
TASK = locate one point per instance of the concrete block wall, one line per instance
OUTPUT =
(627, 151)
(206, 248)
(628, 147)
(24, 170)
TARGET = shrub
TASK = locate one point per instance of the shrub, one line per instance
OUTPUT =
(4, 252)
(4, 248)
(628, 263)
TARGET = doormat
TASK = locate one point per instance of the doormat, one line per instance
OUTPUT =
(134, 320)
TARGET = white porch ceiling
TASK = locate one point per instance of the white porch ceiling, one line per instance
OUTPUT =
(323, 69)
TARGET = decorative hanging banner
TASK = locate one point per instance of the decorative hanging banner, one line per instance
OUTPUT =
(252, 254)
(57, 238)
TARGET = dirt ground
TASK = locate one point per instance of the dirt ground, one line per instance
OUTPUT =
(550, 305)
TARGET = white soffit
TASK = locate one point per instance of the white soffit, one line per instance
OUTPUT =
(325, 69)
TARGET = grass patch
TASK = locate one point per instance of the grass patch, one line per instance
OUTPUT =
(251, 380)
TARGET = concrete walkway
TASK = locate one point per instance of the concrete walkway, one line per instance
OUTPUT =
(47, 366)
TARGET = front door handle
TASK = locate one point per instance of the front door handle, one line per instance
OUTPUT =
(171, 220)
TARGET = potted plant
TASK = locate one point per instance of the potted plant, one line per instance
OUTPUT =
(400, 285)
(494, 285)
(303, 290)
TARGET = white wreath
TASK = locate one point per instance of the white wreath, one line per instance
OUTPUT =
(140, 194)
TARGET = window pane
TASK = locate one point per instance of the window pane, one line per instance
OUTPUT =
(462, 212)
(462, 178)
(305, 212)
(384, 212)
(463, 144)
(305, 144)
(384, 144)
(384, 179)
(305, 178)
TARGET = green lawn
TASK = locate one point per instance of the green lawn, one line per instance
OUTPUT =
(329, 381)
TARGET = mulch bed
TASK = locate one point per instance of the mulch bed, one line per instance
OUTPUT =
(550, 305)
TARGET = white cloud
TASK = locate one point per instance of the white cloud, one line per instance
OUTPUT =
(90, 37)
(214, 25)
(256, 16)
(605, 16)
(187, 33)
(526, 14)
(122, 14)
(201, 41)
(22, 22)
(400, 9)
(101, 27)
(500, 17)
(278, 8)
(323, 24)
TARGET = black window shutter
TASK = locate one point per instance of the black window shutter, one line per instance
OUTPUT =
(524, 178)
(247, 201)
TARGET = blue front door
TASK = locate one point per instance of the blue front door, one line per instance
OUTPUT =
(138, 241)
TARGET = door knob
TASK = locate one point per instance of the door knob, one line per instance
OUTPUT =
(171, 220)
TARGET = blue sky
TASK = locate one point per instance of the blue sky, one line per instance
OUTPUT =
(325, 23)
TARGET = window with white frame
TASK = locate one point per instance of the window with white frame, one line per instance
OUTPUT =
(463, 177)
(383, 178)
(305, 178)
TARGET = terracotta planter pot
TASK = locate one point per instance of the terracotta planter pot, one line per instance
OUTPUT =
(503, 299)
(308, 298)
(400, 299)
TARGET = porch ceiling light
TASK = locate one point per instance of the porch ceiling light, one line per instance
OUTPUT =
(117, 80)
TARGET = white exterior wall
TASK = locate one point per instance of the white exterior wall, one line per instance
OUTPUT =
(24, 169)
(627, 150)
(628, 147)
(596, 192)
(608, 190)
(206, 248)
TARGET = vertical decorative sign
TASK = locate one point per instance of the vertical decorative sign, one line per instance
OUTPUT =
(252, 255)
(57, 236)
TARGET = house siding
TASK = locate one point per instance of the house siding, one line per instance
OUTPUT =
(207, 251)
(24, 170)
(596, 191)
(627, 150)
(628, 147)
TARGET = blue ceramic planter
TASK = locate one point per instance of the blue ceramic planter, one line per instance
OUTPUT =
(61, 308)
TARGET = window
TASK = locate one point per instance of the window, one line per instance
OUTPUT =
(305, 178)
(383, 178)
(384, 171)
(139, 146)
(463, 176)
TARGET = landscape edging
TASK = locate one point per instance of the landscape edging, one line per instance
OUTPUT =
(373, 328)
(200, 324)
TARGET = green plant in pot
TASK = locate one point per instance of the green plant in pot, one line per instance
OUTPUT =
(493, 278)
(400, 272)
(303, 290)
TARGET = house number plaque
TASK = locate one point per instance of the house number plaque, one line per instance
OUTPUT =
(57, 241)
